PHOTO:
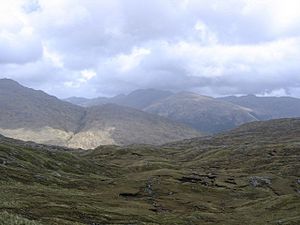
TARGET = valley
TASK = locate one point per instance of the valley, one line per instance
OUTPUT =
(248, 174)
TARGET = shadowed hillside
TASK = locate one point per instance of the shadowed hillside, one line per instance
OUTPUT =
(24, 107)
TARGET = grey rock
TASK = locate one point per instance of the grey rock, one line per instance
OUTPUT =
(260, 181)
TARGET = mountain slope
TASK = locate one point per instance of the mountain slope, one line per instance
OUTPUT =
(250, 174)
(114, 124)
(28, 114)
(268, 107)
(200, 112)
(25, 107)
(33, 115)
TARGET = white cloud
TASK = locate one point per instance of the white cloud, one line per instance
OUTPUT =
(53, 57)
(277, 92)
(18, 41)
(282, 15)
(82, 78)
(127, 62)
(88, 74)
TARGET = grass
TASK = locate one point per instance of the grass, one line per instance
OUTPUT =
(10, 219)
(199, 181)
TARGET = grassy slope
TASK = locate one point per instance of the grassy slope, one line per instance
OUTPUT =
(199, 181)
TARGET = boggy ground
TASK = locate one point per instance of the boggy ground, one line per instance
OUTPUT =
(248, 176)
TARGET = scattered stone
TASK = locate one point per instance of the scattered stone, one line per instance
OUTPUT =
(273, 153)
(56, 174)
(211, 176)
(279, 222)
(129, 195)
(148, 188)
(136, 154)
(205, 180)
(191, 179)
(230, 181)
(3, 162)
(260, 181)
(40, 177)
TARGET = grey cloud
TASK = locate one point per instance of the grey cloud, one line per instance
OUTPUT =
(31, 6)
(212, 46)
(19, 49)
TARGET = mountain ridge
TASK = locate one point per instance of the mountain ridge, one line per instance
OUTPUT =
(266, 108)
(138, 99)
(28, 114)
(201, 112)
(185, 107)
(253, 108)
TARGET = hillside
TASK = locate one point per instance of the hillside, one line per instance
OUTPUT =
(32, 115)
(266, 108)
(201, 112)
(250, 174)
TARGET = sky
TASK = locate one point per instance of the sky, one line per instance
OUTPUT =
(92, 48)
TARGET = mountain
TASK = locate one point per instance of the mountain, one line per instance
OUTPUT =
(33, 115)
(114, 124)
(137, 99)
(201, 112)
(25, 107)
(266, 108)
(249, 174)
(28, 114)
(206, 114)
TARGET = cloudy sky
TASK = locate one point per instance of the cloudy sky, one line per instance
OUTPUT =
(105, 47)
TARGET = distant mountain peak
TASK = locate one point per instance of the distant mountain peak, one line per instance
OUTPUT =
(266, 108)
(147, 90)
(9, 82)
(251, 95)
(192, 94)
